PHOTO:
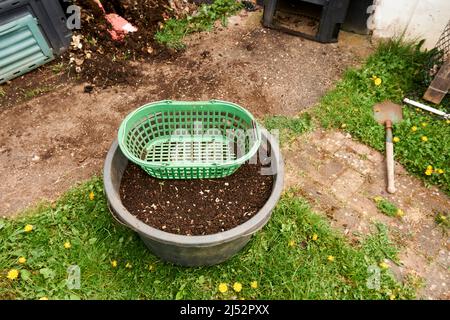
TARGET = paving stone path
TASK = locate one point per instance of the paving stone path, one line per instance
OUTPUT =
(341, 176)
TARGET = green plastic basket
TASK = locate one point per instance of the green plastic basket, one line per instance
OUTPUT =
(189, 140)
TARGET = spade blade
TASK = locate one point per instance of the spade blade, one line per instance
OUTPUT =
(387, 110)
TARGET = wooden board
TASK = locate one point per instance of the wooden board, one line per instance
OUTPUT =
(440, 85)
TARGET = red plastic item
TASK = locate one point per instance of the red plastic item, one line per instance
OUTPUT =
(120, 26)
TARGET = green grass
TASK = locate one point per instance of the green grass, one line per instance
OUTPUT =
(57, 67)
(283, 258)
(386, 207)
(288, 127)
(442, 219)
(402, 68)
(31, 93)
(175, 30)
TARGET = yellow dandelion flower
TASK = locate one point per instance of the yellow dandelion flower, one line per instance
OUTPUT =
(392, 297)
(396, 139)
(424, 124)
(440, 171)
(400, 213)
(114, 263)
(43, 298)
(377, 81)
(430, 168)
(343, 125)
(12, 274)
(424, 138)
(384, 265)
(67, 245)
(91, 195)
(448, 121)
(428, 172)
(378, 198)
(28, 228)
(413, 128)
(223, 287)
(254, 284)
(22, 260)
(128, 265)
(330, 258)
(237, 286)
(314, 237)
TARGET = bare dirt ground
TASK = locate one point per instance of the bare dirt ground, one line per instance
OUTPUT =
(341, 177)
(61, 136)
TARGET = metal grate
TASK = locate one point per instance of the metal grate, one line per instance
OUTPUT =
(443, 43)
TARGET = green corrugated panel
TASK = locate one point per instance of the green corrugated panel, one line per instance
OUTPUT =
(22, 48)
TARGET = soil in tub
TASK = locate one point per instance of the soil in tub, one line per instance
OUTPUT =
(198, 206)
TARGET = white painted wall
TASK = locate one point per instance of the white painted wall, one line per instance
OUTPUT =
(419, 19)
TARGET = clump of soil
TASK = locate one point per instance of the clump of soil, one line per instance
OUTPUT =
(101, 61)
(199, 206)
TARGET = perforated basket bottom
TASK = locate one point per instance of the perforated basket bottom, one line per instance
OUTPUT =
(182, 150)
(190, 173)
(179, 151)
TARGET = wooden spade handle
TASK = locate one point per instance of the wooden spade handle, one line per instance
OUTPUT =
(390, 158)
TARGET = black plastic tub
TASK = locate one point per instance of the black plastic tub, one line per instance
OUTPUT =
(192, 250)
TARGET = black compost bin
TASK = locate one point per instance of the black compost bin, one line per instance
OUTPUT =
(329, 14)
(32, 32)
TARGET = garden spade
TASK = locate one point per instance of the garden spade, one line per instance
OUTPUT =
(387, 113)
